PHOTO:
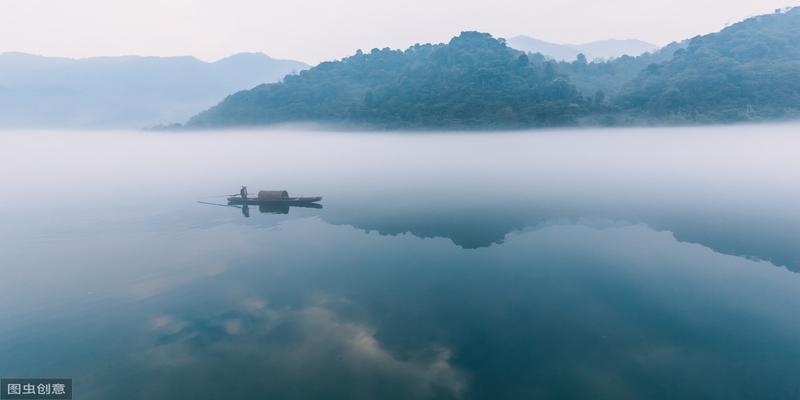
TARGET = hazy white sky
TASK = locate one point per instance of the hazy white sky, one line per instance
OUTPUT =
(315, 30)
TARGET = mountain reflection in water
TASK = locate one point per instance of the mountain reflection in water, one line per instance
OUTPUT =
(483, 227)
(578, 264)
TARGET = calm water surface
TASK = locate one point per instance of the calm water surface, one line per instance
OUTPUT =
(602, 264)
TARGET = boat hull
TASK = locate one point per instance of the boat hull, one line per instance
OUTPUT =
(283, 200)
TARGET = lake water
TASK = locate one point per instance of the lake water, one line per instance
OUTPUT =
(587, 264)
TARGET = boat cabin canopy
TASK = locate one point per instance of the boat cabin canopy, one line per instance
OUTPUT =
(272, 194)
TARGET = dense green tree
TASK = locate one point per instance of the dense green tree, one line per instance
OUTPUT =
(599, 98)
(748, 71)
(610, 76)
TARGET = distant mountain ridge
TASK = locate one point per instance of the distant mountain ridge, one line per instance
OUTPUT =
(746, 72)
(125, 91)
(601, 49)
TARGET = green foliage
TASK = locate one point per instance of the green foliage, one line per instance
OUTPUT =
(748, 71)
(473, 81)
(612, 75)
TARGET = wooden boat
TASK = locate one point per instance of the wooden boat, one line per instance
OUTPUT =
(273, 197)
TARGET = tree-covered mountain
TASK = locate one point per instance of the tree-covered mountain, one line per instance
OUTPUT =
(748, 71)
(609, 77)
(123, 92)
(474, 80)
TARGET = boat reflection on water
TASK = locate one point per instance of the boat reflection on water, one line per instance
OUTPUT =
(266, 208)
(277, 208)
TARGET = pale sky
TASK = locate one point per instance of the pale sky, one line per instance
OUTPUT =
(316, 30)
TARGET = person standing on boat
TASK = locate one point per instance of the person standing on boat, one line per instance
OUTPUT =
(243, 192)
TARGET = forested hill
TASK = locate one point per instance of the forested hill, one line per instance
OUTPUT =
(748, 71)
(474, 80)
(610, 77)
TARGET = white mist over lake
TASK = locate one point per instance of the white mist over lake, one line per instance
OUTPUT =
(623, 259)
(751, 162)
